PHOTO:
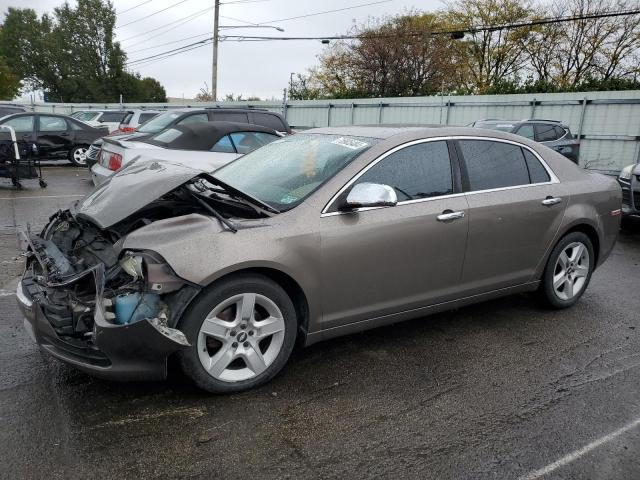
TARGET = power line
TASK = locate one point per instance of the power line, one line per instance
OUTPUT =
(176, 23)
(541, 21)
(326, 11)
(152, 14)
(168, 43)
(135, 6)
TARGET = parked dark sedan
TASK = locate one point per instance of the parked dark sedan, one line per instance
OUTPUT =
(629, 180)
(55, 136)
(552, 133)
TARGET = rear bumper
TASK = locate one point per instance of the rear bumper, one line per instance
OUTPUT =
(137, 351)
(100, 174)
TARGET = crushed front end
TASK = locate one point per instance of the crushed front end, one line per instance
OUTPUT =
(108, 312)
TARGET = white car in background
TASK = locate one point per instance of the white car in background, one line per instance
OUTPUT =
(205, 146)
(135, 118)
(101, 118)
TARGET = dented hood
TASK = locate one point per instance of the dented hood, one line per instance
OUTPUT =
(131, 189)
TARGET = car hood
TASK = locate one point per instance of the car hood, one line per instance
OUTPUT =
(131, 189)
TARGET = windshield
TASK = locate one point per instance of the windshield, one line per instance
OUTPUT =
(283, 173)
(502, 126)
(85, 116)
(159, 123)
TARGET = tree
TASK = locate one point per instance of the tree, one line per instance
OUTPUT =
(396, 56)
(71, 55)
(9, 82)
(489, 57)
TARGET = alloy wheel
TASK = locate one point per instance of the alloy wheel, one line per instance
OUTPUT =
(241, 337)
(80, 156)
(571, 271)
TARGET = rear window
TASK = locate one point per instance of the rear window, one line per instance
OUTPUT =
(159, 123)
(4, 111)
(502, 126)
(127, 119)
(85, 116)
(145, 117)
(113, 117)
(168, 136)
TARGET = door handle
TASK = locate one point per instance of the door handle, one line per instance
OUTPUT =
(449, 215)
(64, 134)
(551, 201)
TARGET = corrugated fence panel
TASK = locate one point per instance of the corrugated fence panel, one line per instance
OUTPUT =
(608, 122)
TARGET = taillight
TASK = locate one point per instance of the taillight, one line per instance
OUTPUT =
(115, 162)
(127, 129)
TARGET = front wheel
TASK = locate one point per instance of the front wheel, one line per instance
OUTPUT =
(78, 156)
(242, 331)
(568, 270)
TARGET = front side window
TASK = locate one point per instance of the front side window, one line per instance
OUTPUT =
(23, 124)
(52, 124)
(492, 164)
(246, 142)
(546, 133)
(526, 131)
(224, 145)
(285, 172)
(418, 171)
(197, 118)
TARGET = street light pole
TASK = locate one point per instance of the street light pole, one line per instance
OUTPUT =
(214, 67)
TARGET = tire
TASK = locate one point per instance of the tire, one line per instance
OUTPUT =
(571, 274)
(221, 334)
(78, 155)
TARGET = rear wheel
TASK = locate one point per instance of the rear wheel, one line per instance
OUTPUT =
(78, 155)
(242, 331)
(568, 270)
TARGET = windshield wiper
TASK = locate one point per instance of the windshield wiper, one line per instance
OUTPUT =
(214, 212)
(239, 193)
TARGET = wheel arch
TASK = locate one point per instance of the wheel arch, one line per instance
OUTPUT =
(288, 284)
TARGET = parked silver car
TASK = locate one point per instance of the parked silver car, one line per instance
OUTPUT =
(312, 236)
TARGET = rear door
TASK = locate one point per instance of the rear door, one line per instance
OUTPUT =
(54, 137)
(516, 206)
(387, 260)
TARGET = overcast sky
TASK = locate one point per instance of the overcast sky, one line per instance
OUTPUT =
(249, 68)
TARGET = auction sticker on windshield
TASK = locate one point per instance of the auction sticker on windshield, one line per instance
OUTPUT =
(351, 143)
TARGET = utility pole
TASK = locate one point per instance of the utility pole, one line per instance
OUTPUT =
(214, 69)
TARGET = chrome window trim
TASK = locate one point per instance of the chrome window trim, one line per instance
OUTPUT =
(552, 175)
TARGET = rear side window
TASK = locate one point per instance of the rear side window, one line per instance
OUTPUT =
(546, 133)
(537, 172)
(526, 131)
(246, 142)
(224, 145)
(269, 121)
(197, 118)
(237, 117)
(493, 164)
(560, 132)
(418, 171)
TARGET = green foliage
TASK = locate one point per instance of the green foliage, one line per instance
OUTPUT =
(9, 82)
(71, 55)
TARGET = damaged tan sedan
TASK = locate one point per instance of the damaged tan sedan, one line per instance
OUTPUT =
(316, 235)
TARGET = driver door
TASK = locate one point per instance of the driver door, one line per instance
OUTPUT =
(388, 260)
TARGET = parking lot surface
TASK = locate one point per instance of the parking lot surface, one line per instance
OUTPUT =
(504, 389)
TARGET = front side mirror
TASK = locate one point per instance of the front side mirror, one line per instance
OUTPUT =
(366, 195)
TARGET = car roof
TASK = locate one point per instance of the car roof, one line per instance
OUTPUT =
(494, 121)
(202, 136)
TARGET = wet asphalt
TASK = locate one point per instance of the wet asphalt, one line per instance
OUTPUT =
(492, 391)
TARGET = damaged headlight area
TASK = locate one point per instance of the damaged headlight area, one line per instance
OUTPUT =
(101, 299)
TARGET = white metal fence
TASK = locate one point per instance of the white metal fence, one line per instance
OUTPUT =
(608, 123)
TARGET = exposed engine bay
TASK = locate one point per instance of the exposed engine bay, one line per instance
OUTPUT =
(79, 273)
